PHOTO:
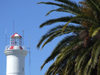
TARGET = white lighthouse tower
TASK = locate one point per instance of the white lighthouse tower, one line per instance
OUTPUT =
(15, 56)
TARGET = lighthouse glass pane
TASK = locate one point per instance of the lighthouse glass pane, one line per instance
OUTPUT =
(16, 42)
(12, 42)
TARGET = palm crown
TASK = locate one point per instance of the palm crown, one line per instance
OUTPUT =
(78, 53)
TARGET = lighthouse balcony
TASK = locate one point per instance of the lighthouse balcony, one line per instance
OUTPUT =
(15, 48)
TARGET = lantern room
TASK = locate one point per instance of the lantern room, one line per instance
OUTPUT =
(16, 41)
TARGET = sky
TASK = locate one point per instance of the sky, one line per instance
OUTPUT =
(24, 17)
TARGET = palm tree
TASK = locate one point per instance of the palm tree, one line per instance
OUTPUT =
(79, 52)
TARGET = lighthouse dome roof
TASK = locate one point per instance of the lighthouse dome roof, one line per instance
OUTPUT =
(16, 35)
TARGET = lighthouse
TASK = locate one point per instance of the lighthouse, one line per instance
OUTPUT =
(15, 54)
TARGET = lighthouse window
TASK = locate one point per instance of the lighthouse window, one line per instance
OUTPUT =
(12, 42)
(16, 42)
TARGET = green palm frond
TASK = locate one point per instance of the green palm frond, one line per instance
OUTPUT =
(61, 19)
(67, 51)
(92, 61)
(51, 70)
(68, 8)
(63, 43)
(52, 3)
(57, 10)
(95, 31)
(95, 53)
(80, 61)
(59, 61)
(80, 18)
(49, 33)
(57, 33)
(70, 3)
(56, 29)
(93, 4)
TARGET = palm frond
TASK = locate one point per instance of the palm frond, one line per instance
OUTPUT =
(57, 33)
(70, 3)
(93, 4)
(57, 10)
(80, 18)
(61, 19)
(49, 33)
(63, 43)
(52, 3)
(95, 53)
(68, 8)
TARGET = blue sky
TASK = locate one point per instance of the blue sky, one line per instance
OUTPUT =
(27, 15)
